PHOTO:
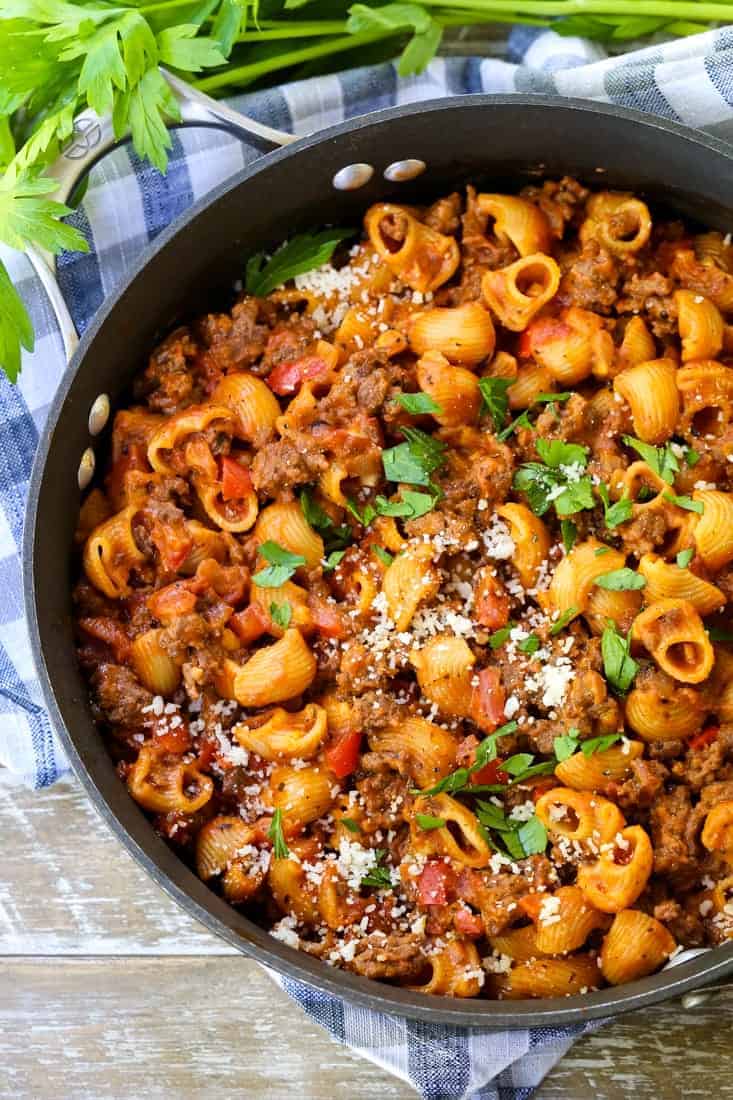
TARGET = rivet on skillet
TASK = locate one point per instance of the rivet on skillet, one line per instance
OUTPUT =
(352, 176)
(99, 414)
(86, 468)
(400, 171)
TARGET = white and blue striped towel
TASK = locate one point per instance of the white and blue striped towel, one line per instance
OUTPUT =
(127, 204)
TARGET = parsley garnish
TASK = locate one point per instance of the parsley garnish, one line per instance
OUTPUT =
(365, 517)
(495, 398)
(619, 666)
(519, 838)
(379, 876)
(529, 645)
(684, 558)
(333, 559)
(615, 514)
(414, 461)
(334, 537)
(567, 744)
(599, 744)
(621, 580)
(300, 254)
(486, 751)
(662, 460)
(601, 550)
(499, 637)
(521, 421)
(351, 825)
(425, 821)
(411, 504)
(281, 614)
(517, 764)
(281, 568)
(418, 404)
(717, 634)
(569, 533)
(384, 555)
(686, 502)
(692, 457)
(275, 833)
(558, 479)
(560, 623)
(532, 836)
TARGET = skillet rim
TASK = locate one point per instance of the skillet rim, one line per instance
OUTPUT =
(708, 967)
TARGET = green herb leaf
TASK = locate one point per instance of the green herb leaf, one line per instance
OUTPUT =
(556, 453)
(379, 876)
(495, 399)
(565, 745)
(615, 514)
(411, 504)
(418, 404)
(600, 551)
(692, 457)
(532, 836)
(717, 634)
(335, 537)
(425, 821)
(521, 421)
(684, 558)
(281, 568)
(517, 764)
(621, 580)
(558, 480)
(569, 533)
(529, 645)
(300, 254)
(499, 637)
(561, 622)
(599, 744)
(687, 503)
(619, 666)
(551, 398)
(180, 48)
(16, 330)
(333, 559)
(280, 849)
(281, 614)
(365, 517)
(414, 461)
(351, 825)
(384, 555)
(662, 460)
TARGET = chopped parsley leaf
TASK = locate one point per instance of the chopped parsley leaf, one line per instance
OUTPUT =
(529, 645)
(599, 744)
(351, 825)
(418, 404)
(281, 614)
(569, 533)
(425, 821)
(662, 460)
(281, 568)
(567, 744)
(495, 399)
(687, 503)
(379, 876)
(560, 623)
(621, 580)
(384, 555)
(684, 558)
(280, 849)
(615, 514)
(619, 666)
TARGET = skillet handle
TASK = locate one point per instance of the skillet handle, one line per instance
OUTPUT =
(94, 137)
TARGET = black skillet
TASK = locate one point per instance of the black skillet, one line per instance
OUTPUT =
(501, 141)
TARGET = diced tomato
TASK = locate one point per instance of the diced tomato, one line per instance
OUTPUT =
(436, 884)
(208, 750)
(492, 601)
(468, 923)
(343, 756)
(287, 378)
(250, 624)
(488, 701)
(490, 774)
(539, 784)
(173, 740)
(171, 602)
(531, 904)
(173, 544)
(326, 619)
(235, 480)
(110, 632)
(229, 582)
(704, 738)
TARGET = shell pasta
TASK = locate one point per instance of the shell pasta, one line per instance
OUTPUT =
(404, 598)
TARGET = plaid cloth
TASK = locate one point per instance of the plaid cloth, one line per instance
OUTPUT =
(689, 80)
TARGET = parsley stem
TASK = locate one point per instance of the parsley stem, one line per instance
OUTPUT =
(671, 9)
(245, 74)
(288, 30)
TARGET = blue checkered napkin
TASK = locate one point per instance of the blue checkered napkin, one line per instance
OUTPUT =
(126, 206)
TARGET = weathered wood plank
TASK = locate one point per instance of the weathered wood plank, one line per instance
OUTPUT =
(68, 887)
(110, 1029)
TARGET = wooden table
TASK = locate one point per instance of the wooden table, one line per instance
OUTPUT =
(109, 992)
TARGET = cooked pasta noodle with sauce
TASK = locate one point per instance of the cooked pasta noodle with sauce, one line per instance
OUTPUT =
(403, 599)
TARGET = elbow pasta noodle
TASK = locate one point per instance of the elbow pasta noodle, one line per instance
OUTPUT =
(667, 581)
(463, 334)
(518, 221)
(454, 389)
(650, 390)
(635, 945)
(621, 872)
(673, 633)
(415, 253)
(404, 592)
(700, 326)
(517, 292)
(598, 771)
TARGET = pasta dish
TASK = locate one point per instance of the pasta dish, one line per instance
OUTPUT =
(404, 599)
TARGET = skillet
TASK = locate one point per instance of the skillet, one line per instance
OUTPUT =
(413, 152)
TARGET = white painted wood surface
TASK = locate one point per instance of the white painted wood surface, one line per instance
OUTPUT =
(109, 992)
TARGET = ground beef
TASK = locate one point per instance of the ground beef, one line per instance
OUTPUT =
(642, 786)
(589, 280)
(280, 467)
(169, 383)
(683, 923)
(702, 766)
(566, 421)
(496, 895)
(561, 202)
(234, 342)
(383, 795)
(120, 695)
(445, 214)
(397, 955)
(670, 821)
(652, 295)
(645, 532)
